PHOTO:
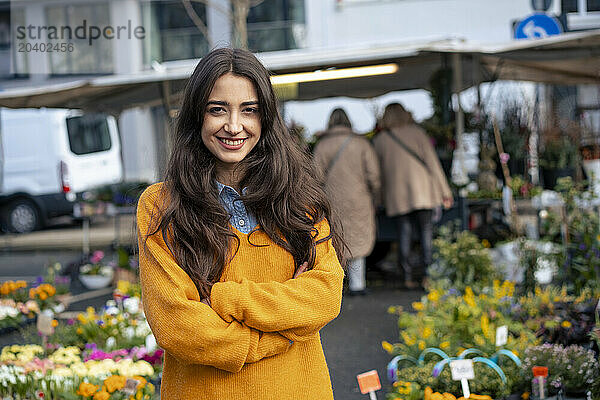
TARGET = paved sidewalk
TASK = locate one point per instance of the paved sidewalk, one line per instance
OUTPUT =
(102, 233)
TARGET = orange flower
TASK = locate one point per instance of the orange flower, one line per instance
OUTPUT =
(31, 293)
(115, 382)
(54, 323)
(102, 395)
(141, 380)
(87, 389)
(43, 296)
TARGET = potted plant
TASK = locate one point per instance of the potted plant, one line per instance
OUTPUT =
(95, 274)
(571, 369)
(558, 158)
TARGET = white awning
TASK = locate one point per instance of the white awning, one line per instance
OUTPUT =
(571, 58)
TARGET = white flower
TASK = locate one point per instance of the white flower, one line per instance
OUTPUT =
(129, 332)
(150, 343)
(132, 305)
(111, 342)
(111, 310)
(84, 269)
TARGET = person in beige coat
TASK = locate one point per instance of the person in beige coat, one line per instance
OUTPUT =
(350, 170)
(414, 185)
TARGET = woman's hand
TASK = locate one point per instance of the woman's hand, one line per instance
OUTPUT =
(302, 268)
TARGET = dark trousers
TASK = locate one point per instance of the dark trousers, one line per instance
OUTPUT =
(422, 221)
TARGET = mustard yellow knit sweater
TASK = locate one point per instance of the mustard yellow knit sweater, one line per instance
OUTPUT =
(260, 337)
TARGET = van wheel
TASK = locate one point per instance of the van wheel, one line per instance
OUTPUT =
(22, 216)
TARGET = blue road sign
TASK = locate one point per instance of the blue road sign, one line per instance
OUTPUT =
(537, 26)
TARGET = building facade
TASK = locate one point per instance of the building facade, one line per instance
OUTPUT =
(170, 30)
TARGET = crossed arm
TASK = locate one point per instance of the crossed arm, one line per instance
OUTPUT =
(247, 321)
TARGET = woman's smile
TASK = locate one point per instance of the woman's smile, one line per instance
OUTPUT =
(232, 144)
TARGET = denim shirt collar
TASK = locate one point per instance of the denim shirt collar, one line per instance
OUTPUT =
(239, 217)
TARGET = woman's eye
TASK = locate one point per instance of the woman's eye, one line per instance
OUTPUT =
(251, 110)
(216, 110)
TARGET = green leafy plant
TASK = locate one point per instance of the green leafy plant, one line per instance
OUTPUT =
(461, 259)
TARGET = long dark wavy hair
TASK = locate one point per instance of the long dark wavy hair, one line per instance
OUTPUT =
(282, 191)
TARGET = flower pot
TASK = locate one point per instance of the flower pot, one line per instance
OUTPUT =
(551, 175)
(96, 281)
(592, 171)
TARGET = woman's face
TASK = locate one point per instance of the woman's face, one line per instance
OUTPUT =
(232, 123)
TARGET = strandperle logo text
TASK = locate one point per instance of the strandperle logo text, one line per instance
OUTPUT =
(82, 32)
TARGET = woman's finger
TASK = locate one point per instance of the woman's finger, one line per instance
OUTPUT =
(302, 268)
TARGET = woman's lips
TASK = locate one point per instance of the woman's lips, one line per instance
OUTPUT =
(232, 144)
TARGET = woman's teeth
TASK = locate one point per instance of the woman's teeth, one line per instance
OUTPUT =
(230, 142)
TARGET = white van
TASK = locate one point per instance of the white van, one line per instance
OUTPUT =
(49, 158)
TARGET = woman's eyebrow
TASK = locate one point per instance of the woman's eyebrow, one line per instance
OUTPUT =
(225, 103)
(219, 103)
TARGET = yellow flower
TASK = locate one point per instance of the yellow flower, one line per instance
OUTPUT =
(427, 332)
(479, 341)
(525, 396)
(115, 382)
(433, 296)
(408, 340)
(81, 318)
(101, 395)
(485, 325)
(79, 331)
(444, 345)
(566, 324)
(54, 323)
(387, 346)
(418, 306)
(87, 389)
(391, 310)
(421, 345)
(486, 243)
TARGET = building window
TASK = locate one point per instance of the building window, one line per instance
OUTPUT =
(593, 5)
(96, 58)
(173, 34)
(569, 6)
(276, 25)
(13, 64)
(580, 6)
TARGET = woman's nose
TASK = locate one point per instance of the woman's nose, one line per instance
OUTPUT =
(234, 125)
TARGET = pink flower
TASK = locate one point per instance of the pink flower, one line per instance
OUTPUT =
(97, 256)
(504, 157)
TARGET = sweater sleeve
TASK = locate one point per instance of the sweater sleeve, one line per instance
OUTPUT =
(297, 308)
(185, 327)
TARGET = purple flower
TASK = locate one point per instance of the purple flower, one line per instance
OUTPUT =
(70, 321)
(582, 246)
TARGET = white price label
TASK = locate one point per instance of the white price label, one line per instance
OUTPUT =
(462, 369)
(501, 335)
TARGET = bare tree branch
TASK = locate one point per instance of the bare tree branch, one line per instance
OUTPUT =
(197, 21)
(223, 10)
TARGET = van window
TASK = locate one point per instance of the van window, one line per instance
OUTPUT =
(88, 134)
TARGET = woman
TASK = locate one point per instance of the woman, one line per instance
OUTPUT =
(238, 263)
(414, 184)
(351, 171)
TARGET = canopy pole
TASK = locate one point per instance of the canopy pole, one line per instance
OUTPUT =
(462, 180)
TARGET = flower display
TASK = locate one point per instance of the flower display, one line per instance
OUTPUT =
(95, 266)
(571, 368)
